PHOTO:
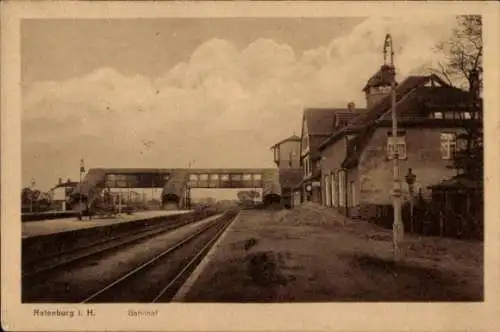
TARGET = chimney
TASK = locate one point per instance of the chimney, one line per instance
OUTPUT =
(68, 181)
(60, 180)
(351, 107)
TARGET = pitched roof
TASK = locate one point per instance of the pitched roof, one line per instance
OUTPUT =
(377, 110)
(320, 121)
(314, 144)
(356, 146)
(414, 101)
(382, 77)
(293, 138)
(347, 115)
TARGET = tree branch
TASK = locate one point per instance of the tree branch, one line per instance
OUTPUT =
(443, 72)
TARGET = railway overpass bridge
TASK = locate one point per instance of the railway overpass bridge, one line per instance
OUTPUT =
(176, 182)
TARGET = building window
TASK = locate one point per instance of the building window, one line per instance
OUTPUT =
(449, 115)
(342, 123)
(327, 192)
(305, 144)
(276, 154)
(448, 145)
(398, 143)
(307, 166)
(334, 189)
(381, 89)
(353, 193)
(214, 180)
(466, 115)
(342, 187)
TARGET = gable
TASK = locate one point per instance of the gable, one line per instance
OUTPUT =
(320, 121)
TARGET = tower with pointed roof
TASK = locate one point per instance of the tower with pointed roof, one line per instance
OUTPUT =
(378, 86)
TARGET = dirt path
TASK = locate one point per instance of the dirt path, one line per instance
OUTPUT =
(315, 256)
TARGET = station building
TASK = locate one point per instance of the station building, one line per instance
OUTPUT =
(60, 194)
(346, 153)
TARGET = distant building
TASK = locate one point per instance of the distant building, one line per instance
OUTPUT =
(286, 153)
(127, 196)
(287, 159)
(60, 194)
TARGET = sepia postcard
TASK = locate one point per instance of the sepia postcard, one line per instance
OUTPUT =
(247, 165)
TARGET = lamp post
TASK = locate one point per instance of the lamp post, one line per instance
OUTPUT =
(397, 226)
(410, 180)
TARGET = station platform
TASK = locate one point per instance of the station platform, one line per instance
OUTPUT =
(49, 213)
(45, 227)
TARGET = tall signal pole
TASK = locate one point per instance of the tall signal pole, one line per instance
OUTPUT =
(397, 226)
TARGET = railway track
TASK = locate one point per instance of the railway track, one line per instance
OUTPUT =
(160, 277)
(34, 271)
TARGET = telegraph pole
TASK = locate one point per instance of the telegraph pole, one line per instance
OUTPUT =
(397, 226)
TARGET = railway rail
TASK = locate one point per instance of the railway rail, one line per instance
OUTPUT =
(159, 278)
(34, 270)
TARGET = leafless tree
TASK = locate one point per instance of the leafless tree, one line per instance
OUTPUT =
(463, 68)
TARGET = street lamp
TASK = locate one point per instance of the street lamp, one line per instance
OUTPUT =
(410, 180)
(397, 226)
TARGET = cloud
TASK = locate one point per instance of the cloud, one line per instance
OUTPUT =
(223, 106)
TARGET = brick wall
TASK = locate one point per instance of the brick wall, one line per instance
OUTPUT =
(423, 149)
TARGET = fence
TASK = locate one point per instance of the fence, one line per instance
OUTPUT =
(447, 214)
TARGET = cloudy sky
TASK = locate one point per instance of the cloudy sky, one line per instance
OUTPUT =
(163, 92)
